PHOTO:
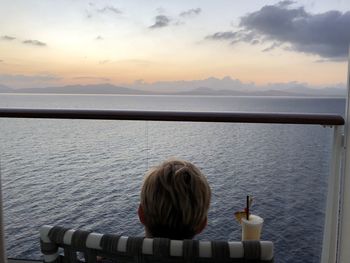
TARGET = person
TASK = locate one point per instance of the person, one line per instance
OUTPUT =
(175, 199)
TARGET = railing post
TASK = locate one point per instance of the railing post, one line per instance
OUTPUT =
(3, 257)
(330, 234)
(344, 245)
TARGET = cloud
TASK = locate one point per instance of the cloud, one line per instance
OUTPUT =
(34, 43)
(109, 9)
(160, 10)
(26, 42)
(8, 38)
(92, 10)
(102, 62)
(272, 47)
(88, 14)
(285, 3)
(229, 35)
(161, 21)
(325, 34)
(19, 77)
(91, 78)
(135, 62)
(24, 81)
(235, 37)
(191, 12)
(326, 60)
(99, 38)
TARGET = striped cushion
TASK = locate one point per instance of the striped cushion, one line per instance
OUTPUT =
(137, 248)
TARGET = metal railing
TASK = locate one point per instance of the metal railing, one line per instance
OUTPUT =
(233, 117)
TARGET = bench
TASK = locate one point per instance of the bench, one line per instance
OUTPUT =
(60, 245)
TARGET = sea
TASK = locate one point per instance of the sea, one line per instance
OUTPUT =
(88, 173)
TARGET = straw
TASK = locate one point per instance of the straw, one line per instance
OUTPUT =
(247, 207)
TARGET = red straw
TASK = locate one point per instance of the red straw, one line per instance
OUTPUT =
(247, 207)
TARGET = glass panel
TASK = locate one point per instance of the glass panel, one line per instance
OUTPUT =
(70, 173)
(284, 167)
(88, 174)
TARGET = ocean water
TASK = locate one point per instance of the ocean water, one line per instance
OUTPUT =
(88, 174)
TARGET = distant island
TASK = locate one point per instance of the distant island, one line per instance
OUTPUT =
(200, 91)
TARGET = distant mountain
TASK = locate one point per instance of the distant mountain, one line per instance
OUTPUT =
(320, 92)
(207, 91)
(297, 90)
(212, 83)
(278, 93)
(235, 87)
(4, 88)
(82, 89)
(211, 92)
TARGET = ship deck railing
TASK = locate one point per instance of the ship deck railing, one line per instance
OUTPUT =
(335, 242)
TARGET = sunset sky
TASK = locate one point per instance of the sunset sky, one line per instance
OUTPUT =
(50, 43)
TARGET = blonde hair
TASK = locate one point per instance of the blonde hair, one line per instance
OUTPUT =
(175, 199)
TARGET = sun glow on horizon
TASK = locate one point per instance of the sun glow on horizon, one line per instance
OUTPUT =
(105, 42)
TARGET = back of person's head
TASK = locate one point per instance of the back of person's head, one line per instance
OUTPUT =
(175, 199)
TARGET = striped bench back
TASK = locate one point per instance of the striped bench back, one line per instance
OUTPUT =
(114, 248)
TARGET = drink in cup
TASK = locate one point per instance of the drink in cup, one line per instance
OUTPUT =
(251, 224)
(251, 229)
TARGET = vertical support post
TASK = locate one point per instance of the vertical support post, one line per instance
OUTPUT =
(330, 234)
(344, 239)
(3, 257)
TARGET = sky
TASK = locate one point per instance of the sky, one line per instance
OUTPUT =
(138, 43)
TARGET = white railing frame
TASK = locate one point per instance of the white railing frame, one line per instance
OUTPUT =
(344, 221)
(3, 257)
(330, 234)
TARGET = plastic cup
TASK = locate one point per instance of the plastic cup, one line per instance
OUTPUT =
(251, 229)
